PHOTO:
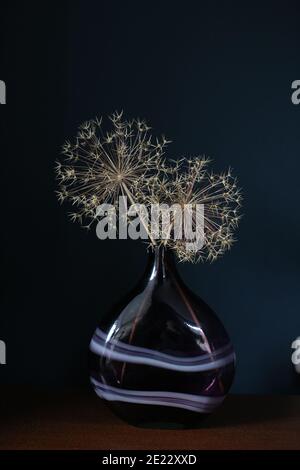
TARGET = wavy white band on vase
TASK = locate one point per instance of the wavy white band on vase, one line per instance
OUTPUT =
(116, 350)
(198, 403)
(108, 341)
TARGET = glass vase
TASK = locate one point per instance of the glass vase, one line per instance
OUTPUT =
(161, 358)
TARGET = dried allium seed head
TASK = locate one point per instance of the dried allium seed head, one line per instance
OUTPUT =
(221, 199)
(99, 167)
(188, 182)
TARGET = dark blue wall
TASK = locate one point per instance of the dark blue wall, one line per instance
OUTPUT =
(216, 80)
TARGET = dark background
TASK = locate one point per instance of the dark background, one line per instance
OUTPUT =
(216, 79)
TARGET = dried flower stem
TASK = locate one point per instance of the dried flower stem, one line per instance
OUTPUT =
(130, 197)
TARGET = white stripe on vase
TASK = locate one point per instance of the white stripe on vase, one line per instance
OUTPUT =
(197, 403)
(102, 338)
(155, 360)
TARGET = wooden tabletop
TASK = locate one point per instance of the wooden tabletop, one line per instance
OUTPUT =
(32, 419)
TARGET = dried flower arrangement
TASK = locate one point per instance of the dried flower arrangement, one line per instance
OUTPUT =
(128, 161)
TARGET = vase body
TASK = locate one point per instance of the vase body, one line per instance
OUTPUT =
(162, 357)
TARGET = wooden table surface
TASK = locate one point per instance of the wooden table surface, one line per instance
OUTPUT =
(55, 419)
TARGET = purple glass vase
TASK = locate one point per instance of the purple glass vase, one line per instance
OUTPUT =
(162, 358)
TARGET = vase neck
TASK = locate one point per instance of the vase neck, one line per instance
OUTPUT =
(161, 263)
